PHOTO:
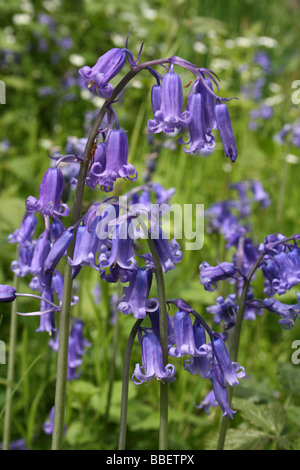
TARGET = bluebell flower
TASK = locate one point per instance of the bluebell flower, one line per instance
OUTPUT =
(259, 194)
(48, 425)
(169, 253)
(156, 105)
(58, 250)
(49, 201)
(288, 313)
(162, 195)
(282, 271)
(224, 362)
(201, 109)
(220, 391)
(40, 253)
(153, 314)
(208, 402)
(210, 275)
(56, 228)
(22, 266)
(170, 116)
(263, 60)
(224, 310)
(87, 242)
(135, 296)
(57, 285)
(225, 130)
(23, 235)
(184, 337)
(152, 361)
(116, 162)
(7, 293)
(98, 166)
(119, 251)
(97, 78)
(199, 364)
(77, 348)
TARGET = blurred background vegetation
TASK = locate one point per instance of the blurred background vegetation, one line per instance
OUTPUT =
(42, 46)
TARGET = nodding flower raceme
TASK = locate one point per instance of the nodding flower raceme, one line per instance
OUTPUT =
(97, 78)
(49, 201)
(152, 361)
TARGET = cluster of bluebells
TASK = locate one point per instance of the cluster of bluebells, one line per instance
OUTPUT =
(187, 339)
(109, 237)
(277, 259)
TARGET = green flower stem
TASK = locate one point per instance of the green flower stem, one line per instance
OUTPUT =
(11, 365)
(234, 346)
(125, 384)
(163, 328)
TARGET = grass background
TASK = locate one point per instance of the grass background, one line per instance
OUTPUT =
(45, 107)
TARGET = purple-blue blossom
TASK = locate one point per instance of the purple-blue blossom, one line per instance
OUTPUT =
(288, 313)
(200, 105)
(225, 130)
(116, 161)
(7, 293)
(211, 275)
(152, 361)
(224, 310)
(49, 200)
(97, 78)
(135, 296)
(170, 115)
(184, 337)
(23, 235)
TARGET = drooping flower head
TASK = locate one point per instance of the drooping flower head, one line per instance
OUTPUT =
(210, 275)
(170, 116)
(49, 201)
(200, 104)
(225, 130)
(135, 296)
(116, 161)
(7, 293)
(184, 337)
(97, 78)
(23, 235)
(152, 361)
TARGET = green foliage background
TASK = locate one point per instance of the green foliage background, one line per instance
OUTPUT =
(220, 35)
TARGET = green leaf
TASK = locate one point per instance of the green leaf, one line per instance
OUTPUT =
(245, 439)
(289, 376)
(269, 418)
